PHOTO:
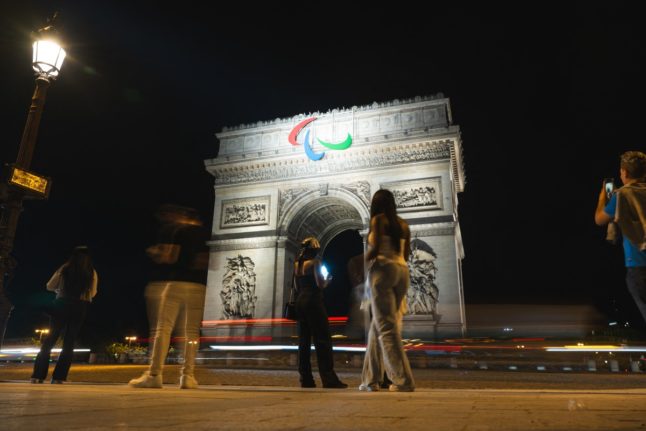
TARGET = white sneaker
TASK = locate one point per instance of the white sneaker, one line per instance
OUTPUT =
(146, 381)
(369, 388)
(187, 382)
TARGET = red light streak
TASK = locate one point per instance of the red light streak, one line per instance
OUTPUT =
(255, 322)
(238, 339)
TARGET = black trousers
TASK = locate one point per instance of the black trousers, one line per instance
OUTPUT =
(313, 324)
(67, 316)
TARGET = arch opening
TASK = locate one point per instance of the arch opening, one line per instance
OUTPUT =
(341, 297)
(336, 223)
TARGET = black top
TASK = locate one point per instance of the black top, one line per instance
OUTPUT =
(192, 241)
(306, 280)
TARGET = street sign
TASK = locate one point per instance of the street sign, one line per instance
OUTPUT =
(32, 184)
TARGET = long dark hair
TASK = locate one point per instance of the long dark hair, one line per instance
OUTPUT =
(78, 272)
(383, 202)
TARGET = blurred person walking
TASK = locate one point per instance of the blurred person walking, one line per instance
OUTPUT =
(312, 318)
(388, 278)
(75, 284)
(175, 294)
(626, 208)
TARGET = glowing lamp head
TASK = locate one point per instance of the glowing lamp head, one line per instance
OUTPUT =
(48, 54)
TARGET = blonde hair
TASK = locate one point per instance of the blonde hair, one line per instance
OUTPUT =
(310, 247)
(311, 243)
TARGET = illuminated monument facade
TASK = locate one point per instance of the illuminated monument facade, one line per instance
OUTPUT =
(280, 181)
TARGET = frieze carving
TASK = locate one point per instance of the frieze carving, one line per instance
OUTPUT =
(245, 212)
(287, 195)
(361, 189)
(418, 195)
(423, 293)
(239, 288)
(336, 163)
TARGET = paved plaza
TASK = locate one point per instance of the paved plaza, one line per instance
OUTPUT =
(271, 400)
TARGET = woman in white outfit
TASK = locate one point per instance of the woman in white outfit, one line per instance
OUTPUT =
(388, 251)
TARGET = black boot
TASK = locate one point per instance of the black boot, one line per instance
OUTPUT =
(335, 385)
(332, 382)
(308, 382)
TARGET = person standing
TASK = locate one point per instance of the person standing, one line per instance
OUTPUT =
(312, 318)
(388, 278)
(175, 294)
(75, 284)
(627, 209)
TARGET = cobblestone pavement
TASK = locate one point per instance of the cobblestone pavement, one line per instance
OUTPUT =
(77, 406)
(269, 399)
(425, 378)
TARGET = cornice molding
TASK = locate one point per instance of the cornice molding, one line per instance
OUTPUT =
(337, 162)
(371, 107)
(244, 244)
(436, 229)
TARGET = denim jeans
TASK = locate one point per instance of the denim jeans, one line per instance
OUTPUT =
(636, 282)
(66, 315)
(388, 287)
(170, 304)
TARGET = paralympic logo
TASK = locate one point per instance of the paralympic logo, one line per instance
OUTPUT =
(314, 156)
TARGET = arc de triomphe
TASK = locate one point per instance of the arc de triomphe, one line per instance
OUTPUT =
(279, 181)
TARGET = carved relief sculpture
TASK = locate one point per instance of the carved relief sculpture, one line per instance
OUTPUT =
(423, 292)
(361, 189)
(245, 212)
(246, 172)
(239, 288)
(418, 195)
(286, 196)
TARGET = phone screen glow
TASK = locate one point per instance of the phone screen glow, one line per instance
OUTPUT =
(324, 271)
(608, 187)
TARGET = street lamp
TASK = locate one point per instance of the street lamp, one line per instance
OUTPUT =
(41, 332)
(48, 56)
(131, 339)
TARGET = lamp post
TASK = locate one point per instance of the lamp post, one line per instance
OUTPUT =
(48, 56)
(40, 333)
(131, 339)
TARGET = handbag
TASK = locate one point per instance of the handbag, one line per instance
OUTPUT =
(289, 312)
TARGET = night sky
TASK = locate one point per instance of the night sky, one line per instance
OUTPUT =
(547, 97)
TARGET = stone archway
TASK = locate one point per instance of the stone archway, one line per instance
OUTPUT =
(322, 214)
(325, 218)
(269, 195)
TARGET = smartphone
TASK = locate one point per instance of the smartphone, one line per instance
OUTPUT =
(609, 185)
(324, 271)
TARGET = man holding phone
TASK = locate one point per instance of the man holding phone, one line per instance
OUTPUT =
(627, 208)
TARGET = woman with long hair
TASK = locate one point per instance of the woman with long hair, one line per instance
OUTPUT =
(75, 284)
(388, 276)
(309, 282)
